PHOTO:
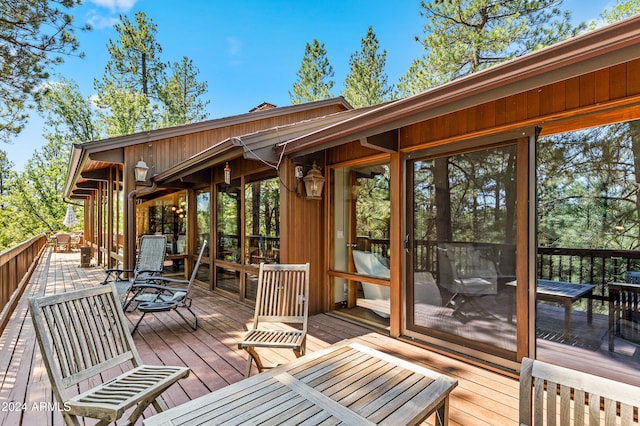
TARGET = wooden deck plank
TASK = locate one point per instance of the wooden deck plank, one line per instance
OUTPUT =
(481, 398)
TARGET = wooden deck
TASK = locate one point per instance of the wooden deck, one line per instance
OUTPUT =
(481, 398)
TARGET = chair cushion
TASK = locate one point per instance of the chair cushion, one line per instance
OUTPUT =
(157, 306)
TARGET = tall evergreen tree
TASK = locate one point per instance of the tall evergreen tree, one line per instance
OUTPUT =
(314, 75)
(366, 84)
(465, 36)
(181, 95)
(35, 34)
(135, 57)
(132, 78)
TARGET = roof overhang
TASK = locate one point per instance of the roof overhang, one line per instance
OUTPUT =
(592, 51)
(111, 151)
(258, 146)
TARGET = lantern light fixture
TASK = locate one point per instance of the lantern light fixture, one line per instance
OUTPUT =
(141, 171)
(227, 174)
(314, 182)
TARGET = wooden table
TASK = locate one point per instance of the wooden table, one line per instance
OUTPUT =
(565, 293)
(346, 382)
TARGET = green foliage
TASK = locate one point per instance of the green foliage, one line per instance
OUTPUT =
(466, 36)
(588, 189)
(34, 194)
(314, 75)
(366, 83)
(620, 10)
(135, 63)
(67, 113)
(373, 204)
(123, 112)
(35, 34)
(181, 93)
(135, 94)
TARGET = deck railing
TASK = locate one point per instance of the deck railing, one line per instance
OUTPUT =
(593, 266)
(16, 265)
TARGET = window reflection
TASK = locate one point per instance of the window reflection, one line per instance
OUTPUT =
(462, 248)
(262, 221)
(361, 230)
(228, 221)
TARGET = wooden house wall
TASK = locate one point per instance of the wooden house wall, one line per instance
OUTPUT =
(163, 154)
(302, 236)
(597, 98)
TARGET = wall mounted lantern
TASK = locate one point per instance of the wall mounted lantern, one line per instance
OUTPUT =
(141, 170)
(227, 174)
(313, 183)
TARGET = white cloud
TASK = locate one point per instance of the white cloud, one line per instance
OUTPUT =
(234, 46)
(98, 21)
(115, 5)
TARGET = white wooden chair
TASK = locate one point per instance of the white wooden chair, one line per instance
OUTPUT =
(283, 298)
(551, 395)
(84, 339)
(162, 294)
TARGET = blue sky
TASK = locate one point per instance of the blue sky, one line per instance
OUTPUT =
(249, 50)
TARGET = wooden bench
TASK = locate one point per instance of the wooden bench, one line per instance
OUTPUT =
(553, 395)
(624, 312)
(84, 339)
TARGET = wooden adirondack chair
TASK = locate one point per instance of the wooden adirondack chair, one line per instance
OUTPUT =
(283, 298)
(84, 339)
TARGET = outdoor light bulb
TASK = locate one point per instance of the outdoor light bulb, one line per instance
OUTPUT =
(173, 208)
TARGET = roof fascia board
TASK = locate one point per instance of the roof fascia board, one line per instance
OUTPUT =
(76, 163)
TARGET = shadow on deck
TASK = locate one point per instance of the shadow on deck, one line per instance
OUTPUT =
(481, 398)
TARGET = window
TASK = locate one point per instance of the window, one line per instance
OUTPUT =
(228, 222)
(262, 221)
(361, 231)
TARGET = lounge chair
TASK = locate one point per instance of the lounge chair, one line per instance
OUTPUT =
(466, 273)
(161, 294)
(149, 263)
(376, 297)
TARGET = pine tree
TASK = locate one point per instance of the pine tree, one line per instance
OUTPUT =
(35, 34)
(181, 94)
(465, 36)
(132, 77)
(135, 57)
(366, 83)
(314, 75)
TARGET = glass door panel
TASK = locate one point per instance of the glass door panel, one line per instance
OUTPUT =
(361, 229)
(461, 248)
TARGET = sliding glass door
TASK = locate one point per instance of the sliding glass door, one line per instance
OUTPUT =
(460, 249)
